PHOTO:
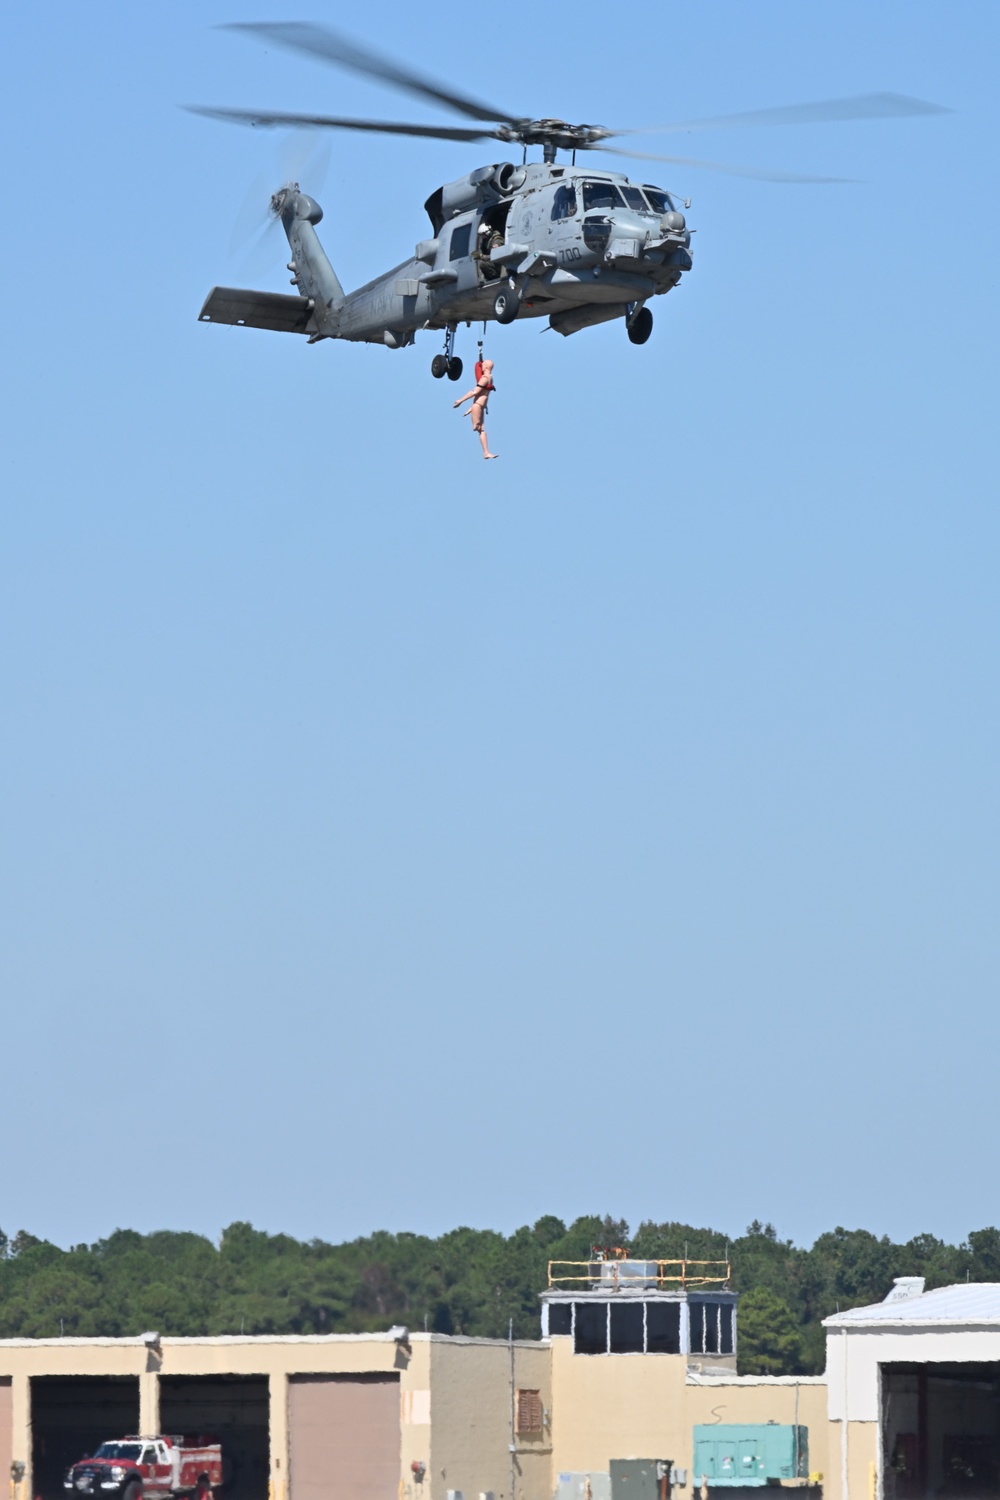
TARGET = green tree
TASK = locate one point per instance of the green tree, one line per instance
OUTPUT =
(472, 1281)
(769, 1338)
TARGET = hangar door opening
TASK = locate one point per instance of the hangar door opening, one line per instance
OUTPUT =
(941, 1431)
(233, 1410)
(70, 1416)
(344, 1437)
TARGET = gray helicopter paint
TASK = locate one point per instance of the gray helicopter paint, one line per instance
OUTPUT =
(313, 273)
(587, 266)
(587, 261)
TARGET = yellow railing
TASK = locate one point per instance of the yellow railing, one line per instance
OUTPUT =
(618, 1273)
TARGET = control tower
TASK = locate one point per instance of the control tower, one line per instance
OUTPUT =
(614, 1304)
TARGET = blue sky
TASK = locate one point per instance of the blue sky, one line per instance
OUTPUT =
(394, 840)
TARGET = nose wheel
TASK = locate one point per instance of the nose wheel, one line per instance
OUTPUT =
(639, 325)
(447, 363)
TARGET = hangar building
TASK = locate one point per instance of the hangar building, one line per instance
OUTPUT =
(909, 1406)
(914, 1394)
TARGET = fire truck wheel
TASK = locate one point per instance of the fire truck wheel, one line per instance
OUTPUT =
(133, 1491)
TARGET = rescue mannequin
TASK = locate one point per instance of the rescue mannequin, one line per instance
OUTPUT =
(480, 396)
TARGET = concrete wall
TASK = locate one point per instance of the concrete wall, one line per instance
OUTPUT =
(645, 1406)
(455, 1401)
(862, 1461)
(6, 1428)
(607, 1406)
(471, 1437)
(853, 1358)
(760, 1398)
(454, 1398)
(415, 1420)
(20, 1359)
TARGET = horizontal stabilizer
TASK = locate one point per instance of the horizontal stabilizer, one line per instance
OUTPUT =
(227, 304)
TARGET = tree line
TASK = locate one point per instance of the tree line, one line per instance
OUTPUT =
(469, 1281)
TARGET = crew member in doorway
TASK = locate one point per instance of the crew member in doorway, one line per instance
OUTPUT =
(480, 397)
(487, 240)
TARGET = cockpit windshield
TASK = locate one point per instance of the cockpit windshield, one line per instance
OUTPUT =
(601, 195)
(633, 197)
(119, 1450)
(661, 201)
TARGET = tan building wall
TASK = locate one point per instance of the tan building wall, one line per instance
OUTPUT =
(472, 1383)
(454, 1397)
(862, 1461)
(748, 1398)
(6, 1427)
(274, 1358)
(645, 1406)
(607, 1406)
(455, 1404)
(415, 1420)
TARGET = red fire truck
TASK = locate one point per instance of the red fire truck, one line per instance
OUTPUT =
(148, 1468)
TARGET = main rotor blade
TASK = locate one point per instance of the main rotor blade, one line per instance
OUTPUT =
(266, 118)
(329, 46)
(756, 174)
(863, 107)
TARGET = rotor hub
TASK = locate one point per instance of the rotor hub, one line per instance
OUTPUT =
(554, 135)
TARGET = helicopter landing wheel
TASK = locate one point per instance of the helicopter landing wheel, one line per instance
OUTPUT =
(439, 366)
(641, 326)
(455, 369)
(506, 305)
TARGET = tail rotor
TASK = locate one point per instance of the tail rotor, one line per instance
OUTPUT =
(302, 156)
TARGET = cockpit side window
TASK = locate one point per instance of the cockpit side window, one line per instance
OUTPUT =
(633, 197)
(460, 239)
(662, 202)
(564, 202)
(601, 195)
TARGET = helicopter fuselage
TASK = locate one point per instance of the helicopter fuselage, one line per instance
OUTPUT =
(542, 240)
(576, 246)
(564, 240)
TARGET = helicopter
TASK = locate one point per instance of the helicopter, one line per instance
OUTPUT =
(509, 241)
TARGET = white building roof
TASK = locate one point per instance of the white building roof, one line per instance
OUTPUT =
(969, 1302)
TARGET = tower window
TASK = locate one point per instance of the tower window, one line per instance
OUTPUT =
(663, 1328)
(560, 1318)
(591, 1328)
(627, 1327)
(711, 1327)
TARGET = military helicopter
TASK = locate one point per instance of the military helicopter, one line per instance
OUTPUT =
(508, 240)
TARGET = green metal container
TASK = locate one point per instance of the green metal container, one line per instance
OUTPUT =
(640, 1478)
(741, 1455)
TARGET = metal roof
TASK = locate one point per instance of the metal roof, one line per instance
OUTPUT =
(968, 1302)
